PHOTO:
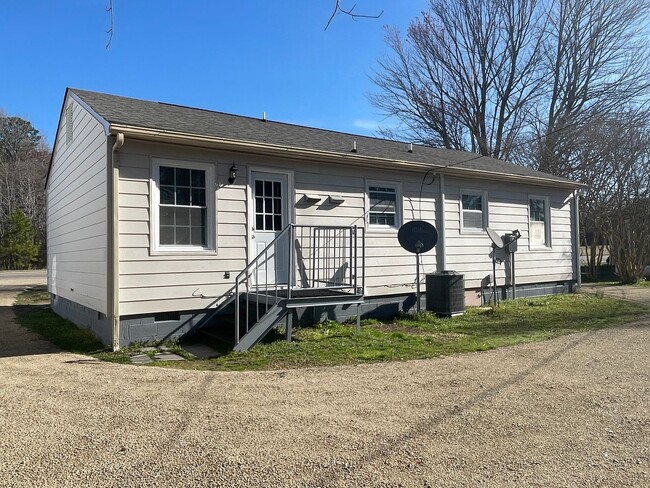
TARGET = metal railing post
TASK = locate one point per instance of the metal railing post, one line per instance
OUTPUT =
(292, 271)
(236, 312)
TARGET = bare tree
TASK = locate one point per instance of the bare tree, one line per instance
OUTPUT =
(612, 155)
(596, 57)
(485, 76)
(466, 75)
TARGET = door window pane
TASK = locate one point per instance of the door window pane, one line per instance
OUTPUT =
(268, 205)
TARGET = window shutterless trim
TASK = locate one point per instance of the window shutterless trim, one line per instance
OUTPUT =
(398, 205)
(484, 211)
(155, 248)
(548, 242)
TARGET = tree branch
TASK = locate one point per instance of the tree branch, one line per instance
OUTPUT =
(109, 9)
(338, 9)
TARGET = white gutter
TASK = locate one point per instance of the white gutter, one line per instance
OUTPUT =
(441, 250)
(576, 229)
(248, 147)
(113, 245)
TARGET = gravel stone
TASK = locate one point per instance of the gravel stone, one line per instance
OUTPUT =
(572, 411)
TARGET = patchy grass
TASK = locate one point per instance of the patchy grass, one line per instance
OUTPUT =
(426, 336)
(60, 332)
(643, 283)
(407, 337)
(34, 295)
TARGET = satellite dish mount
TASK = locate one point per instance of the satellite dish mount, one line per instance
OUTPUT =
(497, 243)
(417, 237)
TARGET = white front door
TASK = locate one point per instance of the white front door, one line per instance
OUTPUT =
(271, 215)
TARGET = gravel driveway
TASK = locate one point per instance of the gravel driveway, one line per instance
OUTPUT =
(573, 411)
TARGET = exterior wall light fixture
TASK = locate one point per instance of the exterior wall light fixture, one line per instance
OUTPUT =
(233, 174)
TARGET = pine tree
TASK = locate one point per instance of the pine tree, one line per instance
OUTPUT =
(18, 246)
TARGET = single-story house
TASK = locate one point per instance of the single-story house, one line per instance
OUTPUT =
(159, 216)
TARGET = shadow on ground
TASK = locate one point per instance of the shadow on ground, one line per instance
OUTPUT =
(19, 341)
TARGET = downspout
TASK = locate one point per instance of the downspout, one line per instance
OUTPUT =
(441, 250)
(576, 218)
(112, 228)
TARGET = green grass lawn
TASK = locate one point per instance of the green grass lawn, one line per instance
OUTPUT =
(406, 337)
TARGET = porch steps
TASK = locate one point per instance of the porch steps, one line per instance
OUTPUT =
(267, 322)
(302, 267)
(221, 325)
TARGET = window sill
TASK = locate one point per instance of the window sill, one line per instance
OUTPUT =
(381, 230)
(183, 252)
(472, 231)
(539, 248)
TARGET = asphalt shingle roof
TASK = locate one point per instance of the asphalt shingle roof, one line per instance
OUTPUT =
(156, 115)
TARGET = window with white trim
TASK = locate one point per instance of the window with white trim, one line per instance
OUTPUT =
(183, 209)
(384, 206)
(473, 215)
(539, 227)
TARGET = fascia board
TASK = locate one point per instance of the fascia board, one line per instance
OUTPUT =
(328, 156)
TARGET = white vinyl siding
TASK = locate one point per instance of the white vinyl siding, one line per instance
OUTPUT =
(151, 283)
(469, 253)
(76, 216)
(473, 215)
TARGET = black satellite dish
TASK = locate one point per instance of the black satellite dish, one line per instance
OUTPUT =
(417, 236)
(496, 238)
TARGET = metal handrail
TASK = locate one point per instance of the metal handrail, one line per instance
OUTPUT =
(330, 257)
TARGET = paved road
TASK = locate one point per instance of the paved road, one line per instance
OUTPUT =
(12, 282)
(573, 411)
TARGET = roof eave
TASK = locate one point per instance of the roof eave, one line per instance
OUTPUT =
(233, 145)
(494, 175)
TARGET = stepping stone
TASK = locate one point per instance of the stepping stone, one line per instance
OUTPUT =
(148, 349)
(168, 356)
(141, 359)
(200, 351)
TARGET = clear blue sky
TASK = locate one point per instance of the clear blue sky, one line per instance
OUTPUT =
(237, 56)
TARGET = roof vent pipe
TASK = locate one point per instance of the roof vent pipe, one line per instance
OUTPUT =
(263, 116)
(354, 146)
(410, 147)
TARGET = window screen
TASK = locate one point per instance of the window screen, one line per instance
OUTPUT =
(383, 205)
(473, 211)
